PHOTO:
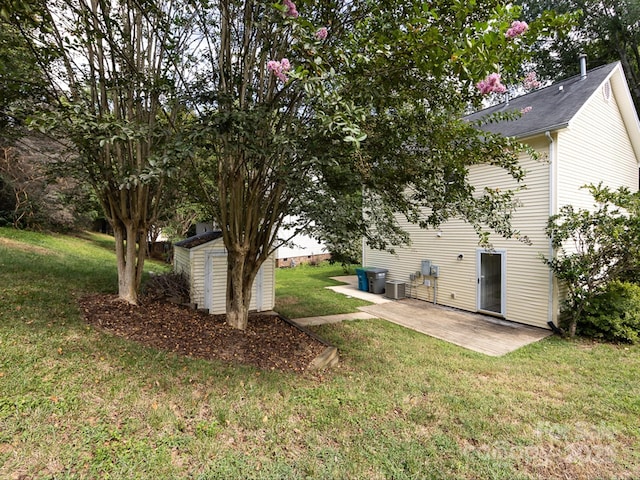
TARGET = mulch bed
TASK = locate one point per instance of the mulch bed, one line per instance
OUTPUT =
(269, 343)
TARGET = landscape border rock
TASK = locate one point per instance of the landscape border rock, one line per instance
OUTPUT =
(328, 358)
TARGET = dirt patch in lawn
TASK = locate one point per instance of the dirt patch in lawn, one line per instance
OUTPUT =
(269, 343)
(25, 247)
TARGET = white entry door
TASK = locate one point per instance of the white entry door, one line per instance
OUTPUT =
(492, 282)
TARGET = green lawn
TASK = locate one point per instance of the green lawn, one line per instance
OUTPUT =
(79, 404)
(301, 292)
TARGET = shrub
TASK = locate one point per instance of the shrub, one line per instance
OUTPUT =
(595, 247)
(613, 314)
(167, 286)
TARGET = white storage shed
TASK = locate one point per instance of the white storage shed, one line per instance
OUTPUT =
(203, 259)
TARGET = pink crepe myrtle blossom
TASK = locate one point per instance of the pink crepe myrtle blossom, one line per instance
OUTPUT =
(491, 84)
(292, 11)
(280, 68)
(517, 28)
(530, 81)
(321, 34)
(273, 65)
(526, 109)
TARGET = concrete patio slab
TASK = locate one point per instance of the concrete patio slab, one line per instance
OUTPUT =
(480, 333)
(476, 332)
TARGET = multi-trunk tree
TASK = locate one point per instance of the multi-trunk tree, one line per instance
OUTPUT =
(345, 115)
(112, 69)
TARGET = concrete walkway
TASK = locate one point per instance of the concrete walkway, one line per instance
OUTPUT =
(351, 290)
(306, 321)
(476, 332)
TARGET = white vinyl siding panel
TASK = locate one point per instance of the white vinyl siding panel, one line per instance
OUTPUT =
(595, 148)
(181, 263)
(527, 276)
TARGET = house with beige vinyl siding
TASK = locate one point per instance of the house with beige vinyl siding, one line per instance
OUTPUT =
(203, 260)
(586, 131)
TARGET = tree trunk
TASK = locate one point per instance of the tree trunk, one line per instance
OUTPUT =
(130, 252)
(573, 322)
(240, 278)
(572, 327)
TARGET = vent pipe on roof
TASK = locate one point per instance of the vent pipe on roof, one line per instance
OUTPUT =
(582, 58)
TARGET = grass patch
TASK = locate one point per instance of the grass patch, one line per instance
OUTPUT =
(301, 292)
(79, 404)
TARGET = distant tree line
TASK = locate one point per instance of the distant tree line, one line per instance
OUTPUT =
(605, 30)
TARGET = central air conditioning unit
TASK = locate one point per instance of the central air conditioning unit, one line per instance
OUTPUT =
(394, 289)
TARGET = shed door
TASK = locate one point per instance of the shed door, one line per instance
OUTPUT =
(215, 284)
(208, 280)
(491, 270)
(215, 281)
(258, 293)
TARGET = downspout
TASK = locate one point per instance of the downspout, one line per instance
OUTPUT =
(552, 211)
(363, 240)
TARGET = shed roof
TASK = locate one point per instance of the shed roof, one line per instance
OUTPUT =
(552, 107)
(199, 239)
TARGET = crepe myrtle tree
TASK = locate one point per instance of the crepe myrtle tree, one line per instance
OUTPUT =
(112, 72)
(321, 110)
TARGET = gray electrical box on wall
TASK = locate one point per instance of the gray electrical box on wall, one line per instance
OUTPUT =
(435, 271)
(426, 268)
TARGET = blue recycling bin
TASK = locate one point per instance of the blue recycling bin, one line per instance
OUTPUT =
(363, 283)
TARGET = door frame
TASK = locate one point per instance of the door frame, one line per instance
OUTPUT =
(503, 281)
(211, 258)
(258, 283)
(212, 298)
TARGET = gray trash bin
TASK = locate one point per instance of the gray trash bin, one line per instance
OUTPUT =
(376, 278)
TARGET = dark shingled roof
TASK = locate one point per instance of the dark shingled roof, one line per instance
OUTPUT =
(552, 107)
(199, 239)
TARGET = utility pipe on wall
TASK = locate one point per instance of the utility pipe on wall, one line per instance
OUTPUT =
(435, 291)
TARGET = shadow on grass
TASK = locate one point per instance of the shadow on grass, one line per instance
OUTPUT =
(101, 240)
(323, 271)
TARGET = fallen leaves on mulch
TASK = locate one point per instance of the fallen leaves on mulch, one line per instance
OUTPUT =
(269, 343)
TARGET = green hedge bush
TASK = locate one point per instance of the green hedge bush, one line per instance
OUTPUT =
(614, 314)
